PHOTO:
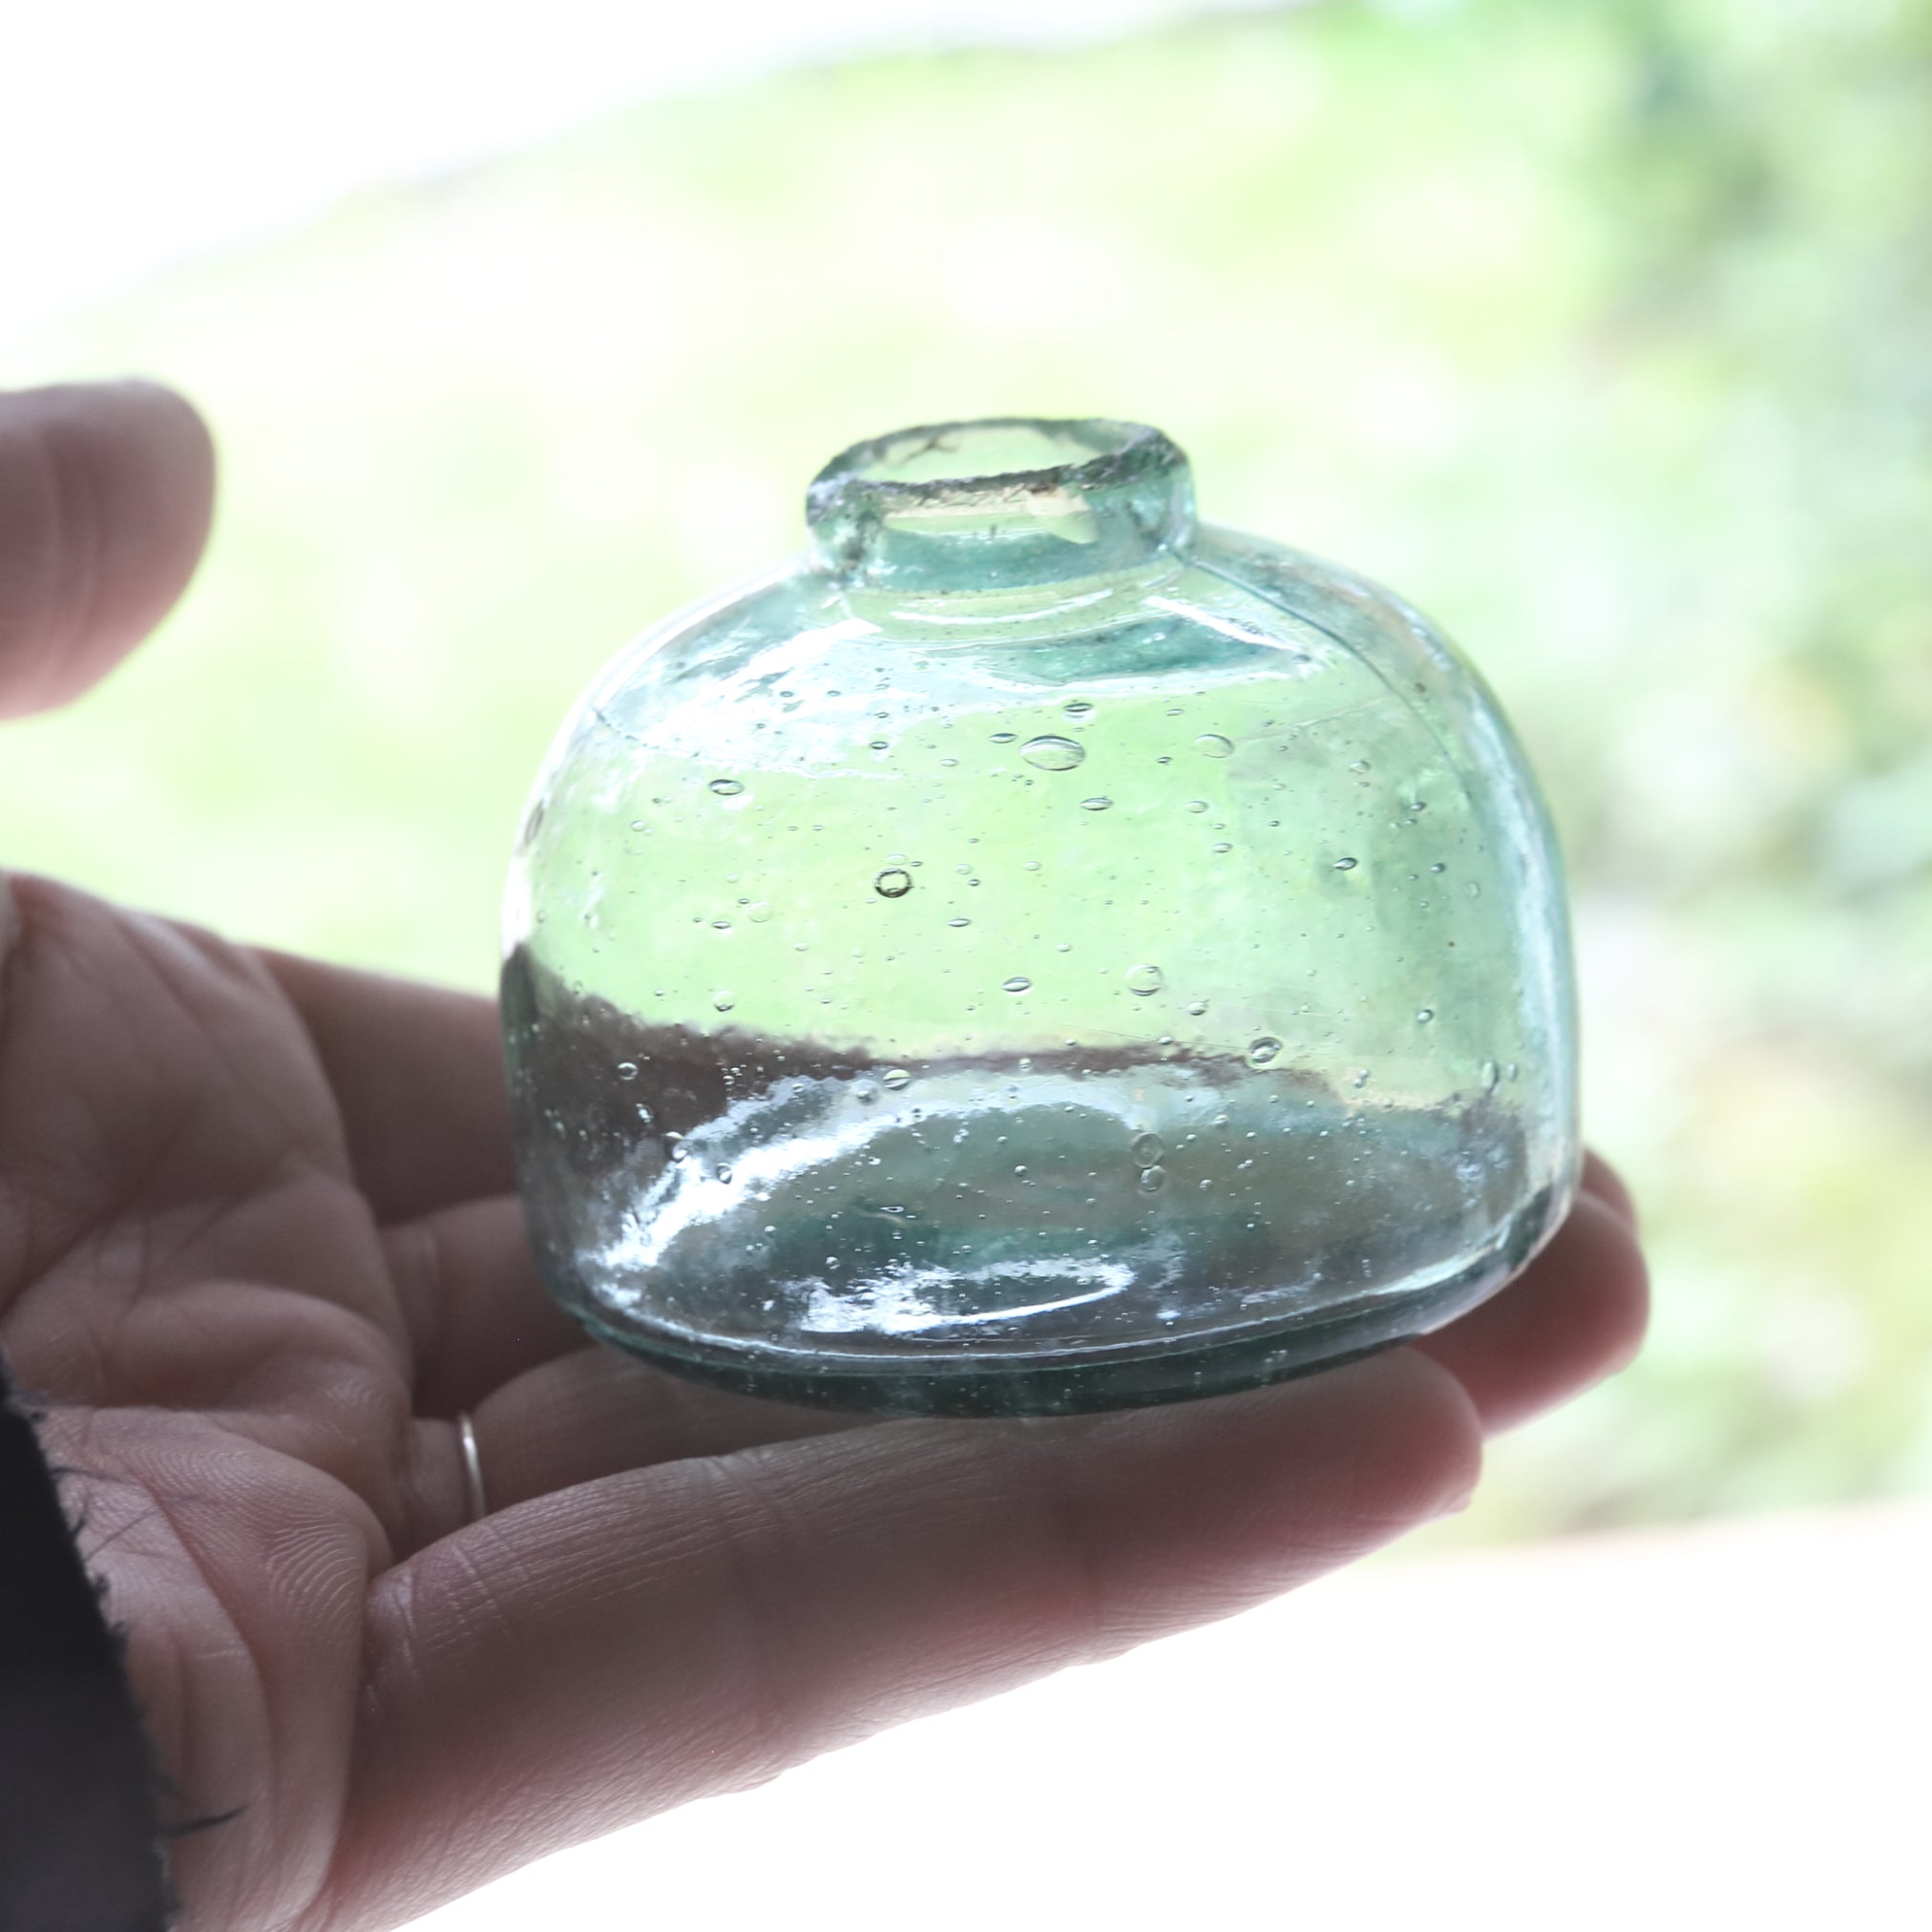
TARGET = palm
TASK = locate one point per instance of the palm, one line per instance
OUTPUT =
(200, 1280)
(234, 1277)
(258, 1249)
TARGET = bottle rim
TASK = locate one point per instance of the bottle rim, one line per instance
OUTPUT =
(955, 507)
(1116, 451)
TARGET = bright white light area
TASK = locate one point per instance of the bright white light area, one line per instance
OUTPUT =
(1690, 1731)
(133, 136)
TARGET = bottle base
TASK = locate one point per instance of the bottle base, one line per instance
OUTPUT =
(1034, 1391)
(1039, 1386)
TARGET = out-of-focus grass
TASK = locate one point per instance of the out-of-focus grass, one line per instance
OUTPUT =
(1598, 331)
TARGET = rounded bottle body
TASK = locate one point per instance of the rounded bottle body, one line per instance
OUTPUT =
(930, 992)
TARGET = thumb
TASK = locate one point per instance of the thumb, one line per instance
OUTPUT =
(105, 495)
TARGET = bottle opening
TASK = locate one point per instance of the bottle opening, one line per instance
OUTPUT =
(1020, 451)
(952, 508)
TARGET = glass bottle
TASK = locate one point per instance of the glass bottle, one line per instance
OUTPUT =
(1035, 952)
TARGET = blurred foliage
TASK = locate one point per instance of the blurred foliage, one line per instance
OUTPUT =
(1598, 330)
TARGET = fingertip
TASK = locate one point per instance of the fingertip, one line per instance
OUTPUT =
(106, 497)
(1574, 1318)
(1600, 1179)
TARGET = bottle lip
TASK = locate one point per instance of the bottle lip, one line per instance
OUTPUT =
(998, 503)
(1115, 451)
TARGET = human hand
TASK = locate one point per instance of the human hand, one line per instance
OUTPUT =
(259, 1250)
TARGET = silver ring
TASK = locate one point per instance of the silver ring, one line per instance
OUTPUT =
(472, 1467)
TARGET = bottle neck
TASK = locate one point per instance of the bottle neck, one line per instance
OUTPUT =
(1005, 505)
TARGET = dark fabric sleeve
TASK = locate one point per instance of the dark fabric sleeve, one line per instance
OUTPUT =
(78, 1824)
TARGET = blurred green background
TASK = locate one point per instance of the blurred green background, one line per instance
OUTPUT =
(1603, 332)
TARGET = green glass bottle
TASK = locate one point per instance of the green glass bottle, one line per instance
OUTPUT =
(1035, 952)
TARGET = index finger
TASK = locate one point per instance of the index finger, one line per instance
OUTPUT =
(559, 1669)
